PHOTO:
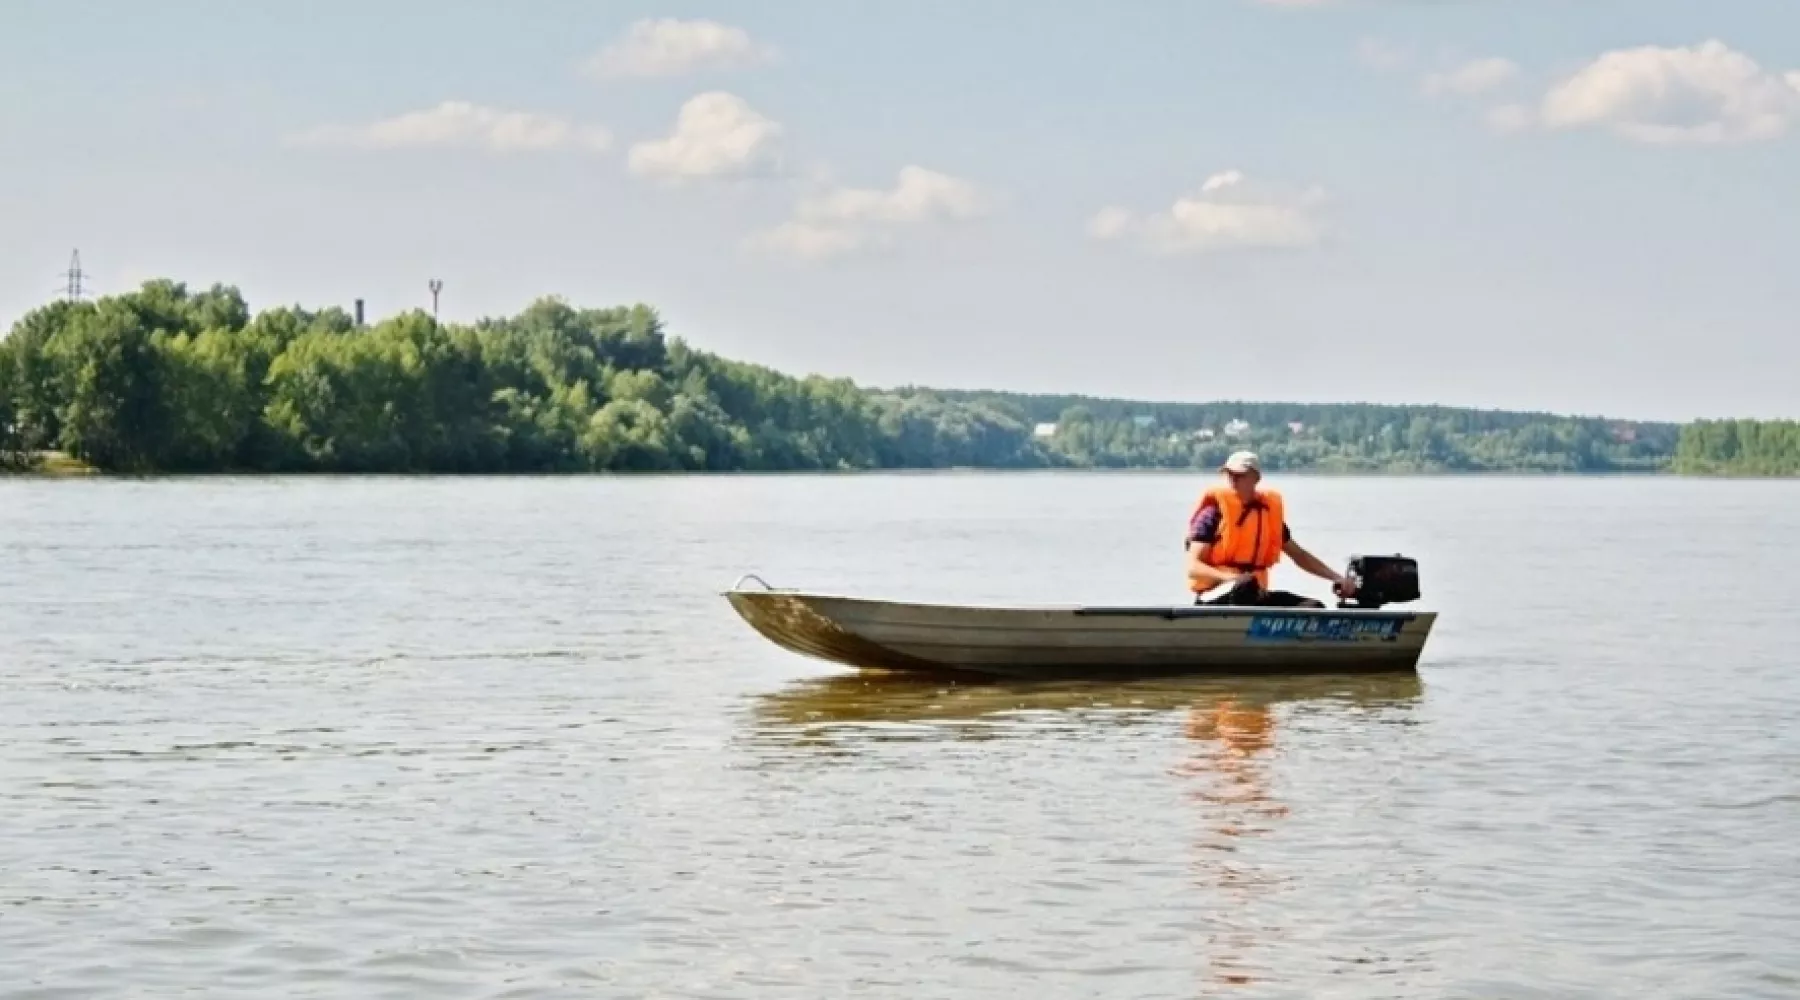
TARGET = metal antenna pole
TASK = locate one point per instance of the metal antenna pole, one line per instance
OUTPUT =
(73, 289)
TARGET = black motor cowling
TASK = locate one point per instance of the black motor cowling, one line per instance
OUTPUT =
(1383, 580)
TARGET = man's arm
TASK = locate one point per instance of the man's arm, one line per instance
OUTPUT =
(1310, 563)
(1203, 531)
(1199, 572)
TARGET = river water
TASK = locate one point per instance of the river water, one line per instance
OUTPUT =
(501, 738)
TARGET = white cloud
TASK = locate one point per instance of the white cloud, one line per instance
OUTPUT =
(918, 195)
(716, 135)
(1707, 93)
(671, 47)
(1221, 181)
(1473, 78)
(1110, 223)
(808, 241)
(843, 220)
(1228, 212)
(460, 124)
(1509, 118)
(1381, 56)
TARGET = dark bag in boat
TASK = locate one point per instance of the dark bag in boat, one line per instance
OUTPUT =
(1384, 580)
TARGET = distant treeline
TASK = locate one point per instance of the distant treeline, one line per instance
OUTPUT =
(168, 379)
(1739, 448)
(1335, 436)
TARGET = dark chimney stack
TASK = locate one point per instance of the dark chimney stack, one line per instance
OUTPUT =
(359, 314)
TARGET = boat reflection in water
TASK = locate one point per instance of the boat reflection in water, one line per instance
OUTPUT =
(1275, 878)
(841, 710)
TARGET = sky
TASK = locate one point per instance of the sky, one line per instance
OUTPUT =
(1584, 206)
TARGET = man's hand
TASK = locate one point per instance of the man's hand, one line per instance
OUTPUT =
(1202, 572)
(1245, 582)
(1344, 587)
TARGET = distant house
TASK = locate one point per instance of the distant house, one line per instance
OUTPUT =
(1296, 427)
(1237, 428)
(1143, 420)
(1044, 430)
(1624, 434)
(1204, 434)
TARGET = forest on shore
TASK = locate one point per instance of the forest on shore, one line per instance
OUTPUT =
(168, 379)
(1739, 448)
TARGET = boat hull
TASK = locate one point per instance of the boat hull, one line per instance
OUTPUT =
(1026, 642)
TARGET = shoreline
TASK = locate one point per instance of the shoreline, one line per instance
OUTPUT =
(71, 469)
(51, 465)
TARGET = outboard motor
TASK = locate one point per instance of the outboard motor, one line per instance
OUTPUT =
(1382, 580)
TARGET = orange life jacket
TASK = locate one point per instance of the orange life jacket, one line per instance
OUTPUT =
(1250, 536)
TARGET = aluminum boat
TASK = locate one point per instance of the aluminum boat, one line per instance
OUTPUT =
(1046, 641)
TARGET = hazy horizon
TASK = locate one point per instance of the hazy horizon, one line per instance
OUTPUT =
(1530, 206)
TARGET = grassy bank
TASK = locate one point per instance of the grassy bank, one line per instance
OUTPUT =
(48, 464)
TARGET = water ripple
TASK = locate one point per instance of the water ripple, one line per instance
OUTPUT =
(500, 738)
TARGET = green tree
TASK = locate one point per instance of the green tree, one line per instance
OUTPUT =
(169, 378)
(113, 410)
(13, 453)
(1739, 448)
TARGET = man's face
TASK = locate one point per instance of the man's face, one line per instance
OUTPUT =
(1244, 482)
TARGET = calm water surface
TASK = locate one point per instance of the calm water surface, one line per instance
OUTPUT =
(501, 738)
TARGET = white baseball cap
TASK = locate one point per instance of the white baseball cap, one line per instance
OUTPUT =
(1242, 461)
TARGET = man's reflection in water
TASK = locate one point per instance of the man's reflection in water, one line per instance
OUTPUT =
(1229, 735)
(1230, 740)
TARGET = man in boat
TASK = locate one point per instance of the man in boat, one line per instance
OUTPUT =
(1238, 533)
